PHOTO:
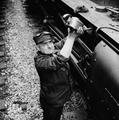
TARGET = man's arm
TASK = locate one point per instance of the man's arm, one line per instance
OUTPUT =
(67, 48)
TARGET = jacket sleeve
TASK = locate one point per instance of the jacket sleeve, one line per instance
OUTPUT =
(44, 62)
(60, 44)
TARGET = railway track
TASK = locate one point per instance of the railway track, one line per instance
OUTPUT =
(3, 61)
(94, 62)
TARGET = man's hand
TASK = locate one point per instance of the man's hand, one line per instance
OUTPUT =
(80, 31)
(75, 26)
(75, 33)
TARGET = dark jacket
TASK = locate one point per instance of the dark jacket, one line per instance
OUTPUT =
(55, 78)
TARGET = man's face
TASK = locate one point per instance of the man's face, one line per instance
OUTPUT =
(47, 47)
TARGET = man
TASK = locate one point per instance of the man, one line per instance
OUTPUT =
(52, 65)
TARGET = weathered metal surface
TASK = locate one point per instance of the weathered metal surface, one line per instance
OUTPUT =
(107, 69)
(114, 3)
(99, 19)
(101, 78)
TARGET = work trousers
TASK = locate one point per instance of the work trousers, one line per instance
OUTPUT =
(50, 112)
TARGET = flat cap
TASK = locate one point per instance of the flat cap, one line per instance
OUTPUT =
(43, 37)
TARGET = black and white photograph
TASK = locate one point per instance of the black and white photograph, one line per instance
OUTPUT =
(59, 60)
